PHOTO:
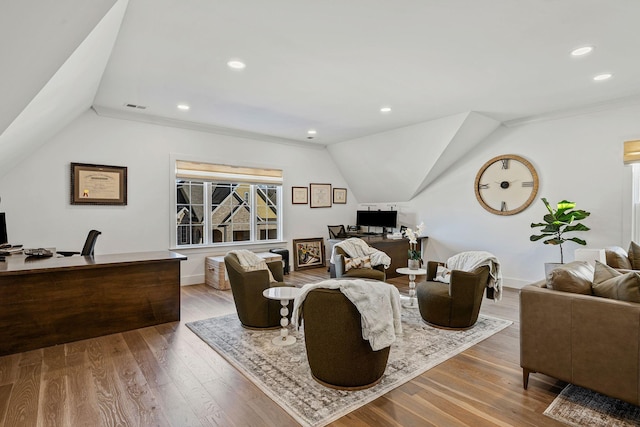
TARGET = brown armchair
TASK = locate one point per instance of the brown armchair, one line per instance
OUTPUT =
(458, 308)
(376, 273)
(254, 310)
(338, 355)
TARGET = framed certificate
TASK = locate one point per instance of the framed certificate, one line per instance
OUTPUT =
(299, 195)
(320, 195)
(98, 184)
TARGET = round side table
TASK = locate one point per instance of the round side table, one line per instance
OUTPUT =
(284, 294)
(412, 302)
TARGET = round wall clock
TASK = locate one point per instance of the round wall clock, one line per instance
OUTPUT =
(506, 184)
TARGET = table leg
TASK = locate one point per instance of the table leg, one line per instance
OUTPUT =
(284, 338)
(412, 293)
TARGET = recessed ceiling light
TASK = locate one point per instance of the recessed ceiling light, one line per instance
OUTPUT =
(236, 64)
(603, 76)
(385, 109)
(311, 133)
(582, 51)
(183, 107)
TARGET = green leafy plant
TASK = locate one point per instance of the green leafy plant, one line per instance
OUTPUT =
(558, 222)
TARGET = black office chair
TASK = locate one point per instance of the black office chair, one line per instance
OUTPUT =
(89, 244)
(337, 232)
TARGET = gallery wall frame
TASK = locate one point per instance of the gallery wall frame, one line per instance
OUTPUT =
(308, 253)
(320, 195)
(98, 184)
(339, 196)
(299, 195)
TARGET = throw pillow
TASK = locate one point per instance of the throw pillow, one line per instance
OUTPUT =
(575, 277)
(349, 263)
(610, 283)
(617, 258)
(443, 274)
(634, 255)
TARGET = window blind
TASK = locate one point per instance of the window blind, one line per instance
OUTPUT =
(225, 173)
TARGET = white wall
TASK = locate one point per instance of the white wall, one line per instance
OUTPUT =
(577, 158)
(35, 195)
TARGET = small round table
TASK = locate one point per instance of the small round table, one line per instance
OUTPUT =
(284, 294)
(412, 303)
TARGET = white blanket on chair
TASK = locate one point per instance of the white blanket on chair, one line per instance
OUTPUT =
(358, 248)
(468, 261)
(377, 302)
(249, 261)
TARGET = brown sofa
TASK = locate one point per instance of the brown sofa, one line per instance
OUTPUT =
(582, 339)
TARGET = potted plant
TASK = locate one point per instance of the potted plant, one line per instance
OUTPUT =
(558, 222)
(415, 256)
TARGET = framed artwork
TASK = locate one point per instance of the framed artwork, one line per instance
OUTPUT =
(320, 195)
(339, 196)
(98, 184)
(308, 253)
(299, 195)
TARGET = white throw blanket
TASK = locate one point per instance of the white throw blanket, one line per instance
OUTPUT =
(249, 261)
(358, 248)
(377, 302)
(468, 261)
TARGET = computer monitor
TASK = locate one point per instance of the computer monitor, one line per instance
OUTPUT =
(386, 219)
(3, 229)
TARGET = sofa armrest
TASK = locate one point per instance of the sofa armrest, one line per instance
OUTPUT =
(432, 268)
(277, 270)
(339, 264)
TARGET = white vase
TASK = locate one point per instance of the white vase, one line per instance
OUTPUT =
(414, 264)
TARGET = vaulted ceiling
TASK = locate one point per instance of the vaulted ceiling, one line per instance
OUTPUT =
(323, 65)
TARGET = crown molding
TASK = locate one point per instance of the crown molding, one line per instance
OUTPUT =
(184, 124)
(587, 109)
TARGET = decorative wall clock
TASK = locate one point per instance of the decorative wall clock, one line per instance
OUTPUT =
(506, 184)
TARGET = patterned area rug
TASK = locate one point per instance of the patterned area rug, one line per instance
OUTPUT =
(283, 372)
(577, 406)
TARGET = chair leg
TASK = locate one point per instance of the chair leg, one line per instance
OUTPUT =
(525, 377)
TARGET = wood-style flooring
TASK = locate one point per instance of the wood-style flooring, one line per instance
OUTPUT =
(166, 376)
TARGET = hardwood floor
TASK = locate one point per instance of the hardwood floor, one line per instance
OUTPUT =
(166, 376)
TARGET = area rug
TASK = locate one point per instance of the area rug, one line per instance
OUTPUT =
(577, 406)
(283, 372)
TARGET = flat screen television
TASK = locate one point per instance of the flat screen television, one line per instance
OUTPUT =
(3, 229)
(386, 219)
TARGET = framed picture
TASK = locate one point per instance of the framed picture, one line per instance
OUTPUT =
(308, 253)
(299, 195)
(339, 196)
(320, 195)
(98, 184)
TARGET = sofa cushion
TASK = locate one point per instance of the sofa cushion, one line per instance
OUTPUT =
(575, 277)
(634, 255)
(349, 263)
(617, 258)
(610, 283)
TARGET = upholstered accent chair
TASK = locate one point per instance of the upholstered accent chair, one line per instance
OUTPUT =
(453, 305)
(338, 355)
(341, 258)
(254, 310)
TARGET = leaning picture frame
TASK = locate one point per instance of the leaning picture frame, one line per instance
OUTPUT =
(98, 184)
(299, 195)
(308, 253)
(320, 195)
(339, 196)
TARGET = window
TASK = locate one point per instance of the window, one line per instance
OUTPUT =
(219, 204)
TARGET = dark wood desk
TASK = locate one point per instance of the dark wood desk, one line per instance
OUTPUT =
(48, 301)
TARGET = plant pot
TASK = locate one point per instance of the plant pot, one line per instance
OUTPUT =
(549, 267)
(414, 264)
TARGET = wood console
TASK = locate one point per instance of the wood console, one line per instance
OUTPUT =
(48, 301)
